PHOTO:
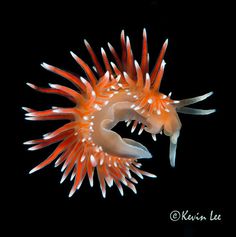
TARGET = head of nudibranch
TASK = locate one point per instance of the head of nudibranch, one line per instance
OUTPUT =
(124, 91)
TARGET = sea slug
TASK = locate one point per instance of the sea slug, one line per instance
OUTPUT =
(122, 90)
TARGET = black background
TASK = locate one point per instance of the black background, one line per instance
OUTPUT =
(195, 65)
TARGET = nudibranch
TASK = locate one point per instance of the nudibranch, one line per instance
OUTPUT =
(122, 90)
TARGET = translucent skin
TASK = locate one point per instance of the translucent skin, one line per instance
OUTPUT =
(124, 91)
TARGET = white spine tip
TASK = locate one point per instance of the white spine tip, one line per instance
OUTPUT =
(72, 177)
(102, 50)
(109, 45)
(71, 193)
(140, 131)
(124, 182)
(30, 85)
(150, 175)
(93, 161)
(163, 63)
(31, 148)
(73, 55)
(113, 64)
(33, 170)
(144, 32)
(136, 64)
(154, 137)
(28, 114)
(52, 85)
(82, 158)
(83, 80)
(62, 179)
(147, 76)
(46, 137)
(63, 167)
(86, 43)
(127, 39)
(91, 181)
(128, 123)
(107, 74)
(125, 74)
(104, 193)
(45, 65)
(118, 78)
(166, 42)
(101, 161)
(79, 185)
(25, 108)
(94, 68)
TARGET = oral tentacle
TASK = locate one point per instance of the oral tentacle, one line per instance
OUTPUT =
(187, 110)
(190, 101)
(173, 147)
